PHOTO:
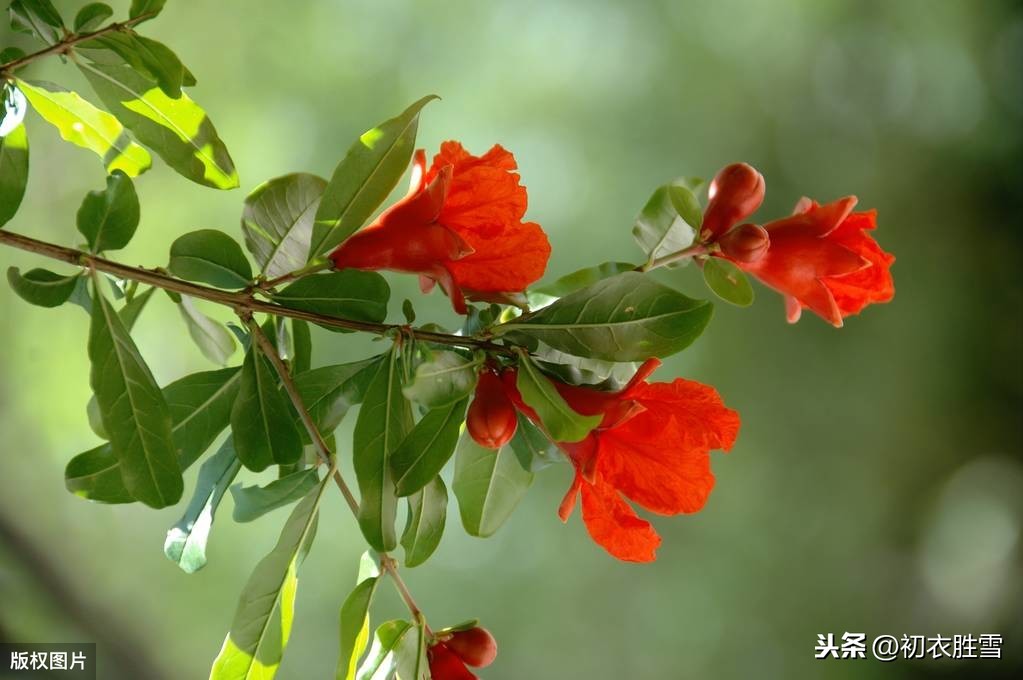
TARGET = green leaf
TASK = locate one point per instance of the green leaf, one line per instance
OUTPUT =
(576, 370)
(349, 294)
(39, 17)
(177, 129)
(140, 7)
(210, 256)
(628, 317)
(13, 172)
(264, 428)
(266, 609)
(422, 454)
(135, 412)
(561, 422)
(133, 308)
(278, 222)
(149, 58)
(82, 124)
(365, 177)
(252, 502)
(444, 379)
(427, 510)
(355, 618)
(384, 420)
(213, 339)
(42, 287)
(383, 658)
(91, 16)
(96, 475)
(303, 343)
(488, 485)
(581, 278)
(329, 391)
(410, 655)
(9, 54)
(533, 448)
(660, 229)
(727, 281)
(108, 217)
(686, 205)
(186, 541)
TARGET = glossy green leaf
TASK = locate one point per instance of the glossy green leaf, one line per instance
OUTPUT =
(580, 279)
(354, 627)
(91, 16)
(213, 339)
(303, 344)
(177, 129)
(150, 58)
(262, 622)
(576, 370)
(252, 502)
(410, 655)
(561, 422)
(686, 205)
(422, 454)
(186, 541)
(442, 380)
(42, 287)
(13, 172)
(135, 412)
(628, 317)
(384, 420)
(488, 485)
(329, 391)
(427, 510)
(261, 420)
(108, 217)
(349, 294)
(133, 308)
(727, 281)
(140, 7)
(39, 17)
(365, 177)
(278, 222)
(82, 124)
(659, 228)
(533, 448)
(9, 54)
(383, 658)
(210, 256)
(96, 475)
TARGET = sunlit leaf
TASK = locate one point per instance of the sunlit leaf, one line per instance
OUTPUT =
(13, 172)
(727, 281)
(628, 317)
(186, 541)
(264, 429)
(42, 287)
(262, 622)
(108, 217)
(427, 510)
(354, 626)
(252, 502)
(382, 660)
(210, 256)
(659, 228)
(349, 294)
(278, 222)
(488, 485)
(561, 422)
(150, 58)
(443, 379)
(213, 339)
(365, 177)
(135, 412)
(82, 124)
(177, 129)
(384, 420)
(422, 454)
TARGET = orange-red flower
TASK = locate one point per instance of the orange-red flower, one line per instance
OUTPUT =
(491, 419)
(823, 259)
(460, 225)
(452, 652)
(652, 446)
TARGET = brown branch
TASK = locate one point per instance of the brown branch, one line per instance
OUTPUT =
(240, 301)
(65, 45)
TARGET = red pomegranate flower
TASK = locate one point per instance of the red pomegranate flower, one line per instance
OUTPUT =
(652, 446)
(460, 225)
(822, 258)
(491, 419)
(452, 652)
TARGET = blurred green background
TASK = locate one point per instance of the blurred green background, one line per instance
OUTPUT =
(876, 484)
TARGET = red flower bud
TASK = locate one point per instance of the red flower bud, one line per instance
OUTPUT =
(446, 665)
(746, 243)
(476, 646)
(491, 419)
(735, 194)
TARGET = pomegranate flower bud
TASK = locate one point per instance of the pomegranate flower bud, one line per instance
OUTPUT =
(476, 646)
(491, 419)
(747, 243)
(735, 194)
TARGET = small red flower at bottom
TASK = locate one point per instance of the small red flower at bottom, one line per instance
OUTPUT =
(460, 225)
(450, 655)
(823, 259)
(491, 419)
(652, 446)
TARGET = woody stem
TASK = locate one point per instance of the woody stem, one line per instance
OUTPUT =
(239, 301)
(387, 563)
